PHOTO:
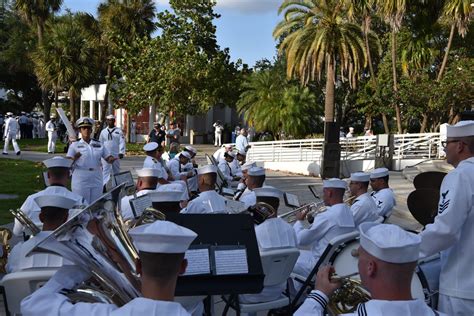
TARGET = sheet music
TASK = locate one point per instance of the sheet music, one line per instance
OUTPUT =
(231, 261)
(198, 261)
(234, 207)
(140, 203)
(125, 177)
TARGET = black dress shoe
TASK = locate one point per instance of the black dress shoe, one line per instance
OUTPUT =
(18, 153)
(4, 153)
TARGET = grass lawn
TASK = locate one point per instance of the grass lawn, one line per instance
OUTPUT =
(18, 177)
(38, 144)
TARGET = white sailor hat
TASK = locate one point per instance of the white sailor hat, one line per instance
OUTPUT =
(166, 196)
(57, 162)
(461, 129)
(360, 177)
(268, 192)
(162, 237)
(55, 201)
(379, 173)
(230, 154)
(228, 145)
(84, 121)
(110, 117)
(334, 183)
(150, 146)
(175, 187)
(243, 153)
(207, 169)
(9, 113)
(389, 242)
(256, 172)
(248, 165)
(148, 172)
(185, 154)
(191, 149)
(52, 116)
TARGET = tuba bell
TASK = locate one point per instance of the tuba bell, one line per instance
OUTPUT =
(347, 297)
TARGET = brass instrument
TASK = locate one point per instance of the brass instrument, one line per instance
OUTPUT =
(348, 296)
(25, 221)
(5, 236)
(148, 216)
(261, 211)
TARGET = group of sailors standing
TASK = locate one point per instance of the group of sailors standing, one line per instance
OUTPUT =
(387, 255)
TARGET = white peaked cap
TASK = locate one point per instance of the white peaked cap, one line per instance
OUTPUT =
(84, 121)
(256, 171)
(9, 113)
(389, 242)
(166, 196)
(148, 172)
(57, 162)
(268, 192)
(248, 165)
(379, 173)
(150, 146)
(360, 177)
(461, 129)
(207, 169)
(110, 117)
(55, 201)
(334, 183)
(191, 149)
(185, 154)
(162, 237)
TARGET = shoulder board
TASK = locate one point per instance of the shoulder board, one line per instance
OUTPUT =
(154, 160)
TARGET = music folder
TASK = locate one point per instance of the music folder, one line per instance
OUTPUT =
(223, 259)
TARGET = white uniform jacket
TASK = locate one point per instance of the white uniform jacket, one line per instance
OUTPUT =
(385, 201)
(113, 140)
(249, 198)
(30, 208)
(226, 171)
(219, 154)
(177, 170)
(153, 163)
(125, 206)
(51, 129)
(452, 232)
(18, 261)
(88, 168)
(206, 203)
(241, 142)
(364, 209)
(236, 169)
(273, 233)
(316, 302)
(48, 301)
(11, 127)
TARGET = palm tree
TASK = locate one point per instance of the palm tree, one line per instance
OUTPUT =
(318, 37)
(36, 14)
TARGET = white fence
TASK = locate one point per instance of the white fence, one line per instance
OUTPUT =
(407, 146)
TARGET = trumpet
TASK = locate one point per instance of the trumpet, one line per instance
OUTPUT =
(307, 207)
(25, 221)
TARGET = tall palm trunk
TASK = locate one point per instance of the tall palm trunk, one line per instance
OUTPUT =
(44, 91)
(385, 123)
(395, 83)
(446, 53)
(329, 100)
(106, 108)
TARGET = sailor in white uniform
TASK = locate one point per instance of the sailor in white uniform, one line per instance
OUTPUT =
(208, 201)
(241, 142)
(383, 196)
(452, 232)
(176, 166)
(255, 179)
(363, 208)
(58, 177)
(54, 212)
(218, 128)
(273, 233)
(190, 166)
(219, 154)
(113, 140)
(146, 183)
(87, 178)
(388, 256)
(337, 220)
(245, 167)
(52, 128)
(161, 246)
(226, 169)
(10, 130)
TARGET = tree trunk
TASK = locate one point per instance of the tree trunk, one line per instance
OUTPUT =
(369, 56)
(395, 83)
(106, 109)
(72, 105)
(368, 122)
(385, 123)
(424, 123)
(329, 99)
(446, 53)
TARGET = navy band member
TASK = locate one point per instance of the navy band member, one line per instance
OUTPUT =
(363, 208)
(255, 179)
(387, 259)
(452, 232)
(52, 128)
(113, 140)
(382, 194)
(161, 246)
(87, 179)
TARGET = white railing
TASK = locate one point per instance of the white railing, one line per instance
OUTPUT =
(407, 146)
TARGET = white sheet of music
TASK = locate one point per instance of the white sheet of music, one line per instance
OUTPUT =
(141, 203)
(198, 261)
(231, 261)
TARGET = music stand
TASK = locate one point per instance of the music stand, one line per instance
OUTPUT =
(291, 200)
(139, 204)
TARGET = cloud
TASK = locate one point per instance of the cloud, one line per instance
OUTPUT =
(242, 6)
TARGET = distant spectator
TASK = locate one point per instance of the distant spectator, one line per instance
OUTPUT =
(250, 133)
(368, 132)
(351, 132)
(235, 133)
(157, 135)
(218, 128)
(173, 133)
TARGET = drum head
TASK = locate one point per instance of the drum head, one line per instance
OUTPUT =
(343, 260)
(423, 205)
(429, 180)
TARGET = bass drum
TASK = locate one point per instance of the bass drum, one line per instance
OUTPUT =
(423, 286)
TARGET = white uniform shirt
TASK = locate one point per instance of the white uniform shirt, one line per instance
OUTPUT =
(113, 140)
(153, 163)
(18, 261)
(226, 171)
(218, 128)
(11, 127)
(219, 154)
(88, 168)
(317, 301)
(385, 201)
(249, 198)
(30, 208)
(241, 142)
(177, 170)
(192, 182)
(273, 233)
(236, 169)
(206, 203)
(364, 209)
(452, 232)
(125, 206)
(50, 127)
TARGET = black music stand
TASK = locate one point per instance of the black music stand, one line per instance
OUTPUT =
(222, 230)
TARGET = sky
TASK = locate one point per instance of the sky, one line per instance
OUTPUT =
(245, 26)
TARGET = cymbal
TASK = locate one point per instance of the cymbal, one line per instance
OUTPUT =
(429, 179)
(423, 205)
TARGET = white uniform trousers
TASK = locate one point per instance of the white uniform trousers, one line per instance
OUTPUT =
(87, 184)
(110, 169)
(11, 137)
(305, 263)
(52, 137)
(455, 306)
(217, 138)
